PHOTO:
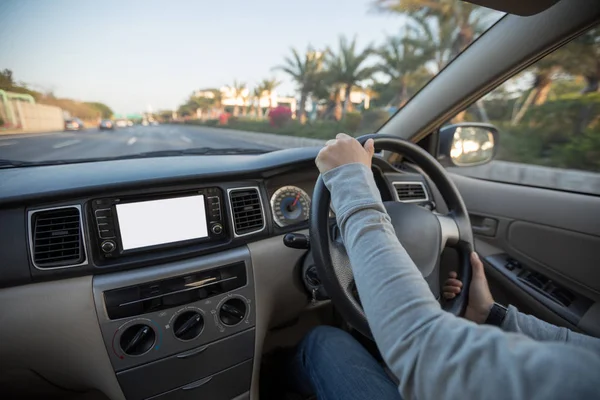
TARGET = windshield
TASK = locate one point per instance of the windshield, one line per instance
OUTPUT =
(241, 77)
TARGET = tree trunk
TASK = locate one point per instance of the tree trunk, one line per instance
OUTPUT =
(524, 107)
(259, 111)
(347, 102)
(337, 112)
(236, 110)
(543, 91)
(301, 107)
(460, 117)
(403, 97)
(244, 109)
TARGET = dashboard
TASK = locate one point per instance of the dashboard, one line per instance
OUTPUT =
(173, 268)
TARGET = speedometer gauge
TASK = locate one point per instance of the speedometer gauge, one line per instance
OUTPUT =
(290, 205)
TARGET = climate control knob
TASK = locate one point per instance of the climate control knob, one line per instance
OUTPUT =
(232, 312)
(217, 229)
(188, 325)
(137, 339)
(108, 246)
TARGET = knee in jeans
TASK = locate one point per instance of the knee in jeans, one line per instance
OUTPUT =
(325, 339)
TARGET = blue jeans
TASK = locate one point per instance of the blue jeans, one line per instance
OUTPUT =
(336, 366)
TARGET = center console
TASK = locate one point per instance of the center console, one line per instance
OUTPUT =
(180, 330)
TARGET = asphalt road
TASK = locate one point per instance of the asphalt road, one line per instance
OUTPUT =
(93, 143)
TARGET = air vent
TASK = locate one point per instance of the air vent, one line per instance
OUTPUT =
(56, 238)
(247, 212)
(411, 192)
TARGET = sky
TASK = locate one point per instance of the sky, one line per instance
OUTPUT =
(135, 54)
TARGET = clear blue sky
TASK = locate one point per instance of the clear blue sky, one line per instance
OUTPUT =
(131, 54)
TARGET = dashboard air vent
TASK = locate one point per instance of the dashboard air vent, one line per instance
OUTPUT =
(56, 238)
(247, 212)
(411, 192)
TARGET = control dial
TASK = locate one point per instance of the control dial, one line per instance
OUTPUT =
(217, 229)
(108, 246)
(137, 339)
(232, 312)
(188, 325)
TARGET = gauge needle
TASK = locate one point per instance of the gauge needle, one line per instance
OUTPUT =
(296, 200)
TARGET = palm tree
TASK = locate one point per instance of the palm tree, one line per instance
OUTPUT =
(237, 91)
(306, 71)
(403, 59)
(268, 86)
(347, 69)
(258, 92)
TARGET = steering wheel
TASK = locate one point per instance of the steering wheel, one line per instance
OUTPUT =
(424, 234)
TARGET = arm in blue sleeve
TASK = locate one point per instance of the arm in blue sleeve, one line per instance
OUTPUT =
(434, 354)
(529, 325)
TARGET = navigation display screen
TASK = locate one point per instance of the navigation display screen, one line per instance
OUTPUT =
(150, 223)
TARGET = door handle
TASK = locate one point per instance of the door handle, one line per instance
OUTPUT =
(484, 226)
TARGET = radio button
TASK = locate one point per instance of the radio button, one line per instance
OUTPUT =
(108, 246)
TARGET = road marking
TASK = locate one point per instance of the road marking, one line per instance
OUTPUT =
(6, 143)
(131, 141)
(186, 139)
(65, 144)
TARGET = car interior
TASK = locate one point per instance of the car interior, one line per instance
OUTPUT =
(107, 291)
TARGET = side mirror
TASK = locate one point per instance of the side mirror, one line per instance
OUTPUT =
(467, 144)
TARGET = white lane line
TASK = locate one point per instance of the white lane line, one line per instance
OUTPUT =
(65, 144)
(131, 141)
(6, 143)
(186, 139)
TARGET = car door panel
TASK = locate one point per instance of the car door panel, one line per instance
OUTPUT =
(551, 236)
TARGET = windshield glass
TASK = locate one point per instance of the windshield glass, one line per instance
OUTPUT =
(240, 76)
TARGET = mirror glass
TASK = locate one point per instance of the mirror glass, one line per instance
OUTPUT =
(472, 146)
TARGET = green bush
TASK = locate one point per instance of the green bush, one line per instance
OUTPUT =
(352, 121)
(562, 133)
(372, 120)
(1, 121)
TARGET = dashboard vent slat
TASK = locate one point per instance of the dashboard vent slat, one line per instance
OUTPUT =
(57, 239)
(247, 211)
(411, 192)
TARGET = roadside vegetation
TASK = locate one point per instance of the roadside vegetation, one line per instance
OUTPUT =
(548, 115)
(87, 111)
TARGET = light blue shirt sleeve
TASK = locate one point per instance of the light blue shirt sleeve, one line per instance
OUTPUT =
(436, 355)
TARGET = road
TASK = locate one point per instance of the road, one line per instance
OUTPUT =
(93, 143)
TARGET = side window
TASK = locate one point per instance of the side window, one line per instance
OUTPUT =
(548, 118)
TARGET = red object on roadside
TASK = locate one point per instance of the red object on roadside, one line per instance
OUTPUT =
(279, 116)
(224, 118)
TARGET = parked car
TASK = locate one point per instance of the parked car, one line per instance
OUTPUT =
(106, 124)
(121, 123)
(74, 124)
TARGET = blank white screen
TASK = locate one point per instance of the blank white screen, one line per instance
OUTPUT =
(150, 223)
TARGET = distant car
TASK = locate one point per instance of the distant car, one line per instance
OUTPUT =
(74, 124)
(106, 124)
(121, 123)
(154, 123)
(145, 123)
(129, 123)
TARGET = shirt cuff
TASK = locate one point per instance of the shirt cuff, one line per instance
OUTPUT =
(352, 187)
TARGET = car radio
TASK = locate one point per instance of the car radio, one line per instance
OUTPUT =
(127, 225)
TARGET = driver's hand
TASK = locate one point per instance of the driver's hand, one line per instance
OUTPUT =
(343, 150)
(480, 298)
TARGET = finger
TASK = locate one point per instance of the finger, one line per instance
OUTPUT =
(370, 147)
(449, 295)
(477, 266)
(453, 274)
(330, 142)
(453, 282)
(451, 289)
(343, 136)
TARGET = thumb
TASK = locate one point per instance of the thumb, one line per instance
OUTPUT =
(370, 147)
(477, 266)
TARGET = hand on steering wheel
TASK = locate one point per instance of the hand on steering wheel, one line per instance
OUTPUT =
(422, 233)
(342, 150)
